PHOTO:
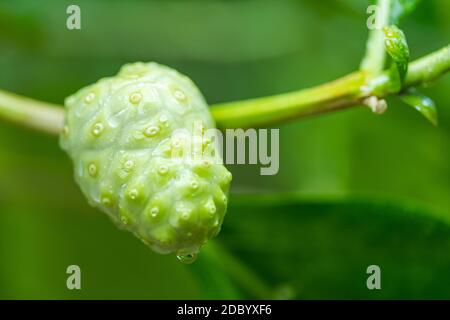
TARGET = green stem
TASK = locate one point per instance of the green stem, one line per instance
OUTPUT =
(345, 92)
(38, 115)
(339, 94)
(373, 61)
(428, 68)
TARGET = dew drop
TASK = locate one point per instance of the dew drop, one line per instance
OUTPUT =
(187, 258)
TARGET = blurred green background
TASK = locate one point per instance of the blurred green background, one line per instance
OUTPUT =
(357, 189)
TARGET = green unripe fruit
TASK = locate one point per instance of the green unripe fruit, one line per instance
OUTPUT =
(119, 133)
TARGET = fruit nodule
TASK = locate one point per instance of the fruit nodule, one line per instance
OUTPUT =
(119, 134)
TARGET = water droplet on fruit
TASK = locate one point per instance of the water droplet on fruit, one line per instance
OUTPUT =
(187, 258)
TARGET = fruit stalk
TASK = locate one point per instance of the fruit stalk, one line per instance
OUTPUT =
(30, 113)
(342, 93)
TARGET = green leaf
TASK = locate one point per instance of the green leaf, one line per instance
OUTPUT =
(222, 276)
(397, 48)
(321, 249)
(423, 104)
(215, 281)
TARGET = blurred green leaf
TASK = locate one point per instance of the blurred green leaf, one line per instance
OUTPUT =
(213, 276)
(423, 104)
(401, 9)
(321, 249)
(398, 9)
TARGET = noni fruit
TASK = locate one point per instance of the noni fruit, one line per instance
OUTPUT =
(129, 162)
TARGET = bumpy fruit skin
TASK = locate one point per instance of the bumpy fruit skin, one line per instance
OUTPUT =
(119, 134)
